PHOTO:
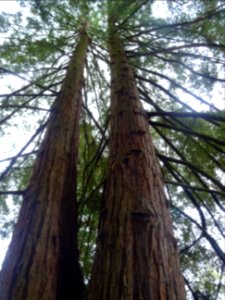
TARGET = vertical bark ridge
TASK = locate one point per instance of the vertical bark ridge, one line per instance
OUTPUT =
(136, 254)
(42, 260)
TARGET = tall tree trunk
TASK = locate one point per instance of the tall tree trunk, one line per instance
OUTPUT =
(136, 255)
(42, 260)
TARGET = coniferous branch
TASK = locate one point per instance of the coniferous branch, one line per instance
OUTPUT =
(181, 179)
(196, 200)
(220, 284)
(34, 82)
(136, 9)
(215, 222)
(90, 166)
(203, 58)
(205, 234)
(190, 195)
(193, 168)
(16, 110)
(174, 148)
(172, 124)
(84, 200)
(22, 155)
(180, 87)
(13, 161)
(11, 192)
(180, 25)
(195, 188)
(99, 54)
(193, 115)
(167, 92)
(188, 247)
(206, 76)
(170, 50)
(94, 120)
(97, 67)
(193, 293)
(204, 137)
(26, 95)
(24, 107)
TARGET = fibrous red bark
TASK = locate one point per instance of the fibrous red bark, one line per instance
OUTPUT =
(136, 255)
(42, 260)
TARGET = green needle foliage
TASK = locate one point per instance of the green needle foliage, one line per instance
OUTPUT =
(178, 63)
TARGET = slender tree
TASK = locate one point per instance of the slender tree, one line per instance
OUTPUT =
(42, 260)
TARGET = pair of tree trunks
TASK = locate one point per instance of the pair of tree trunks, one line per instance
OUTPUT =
(136, 255)
(42, 260)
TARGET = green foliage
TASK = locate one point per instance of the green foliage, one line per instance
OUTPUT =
(91, 175)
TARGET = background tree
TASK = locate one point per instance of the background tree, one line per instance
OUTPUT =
(178, 63)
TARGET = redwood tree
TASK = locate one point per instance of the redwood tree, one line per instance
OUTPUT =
(136, 255)
(42, 260)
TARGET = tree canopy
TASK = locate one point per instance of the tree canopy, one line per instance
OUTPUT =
(178, 63)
